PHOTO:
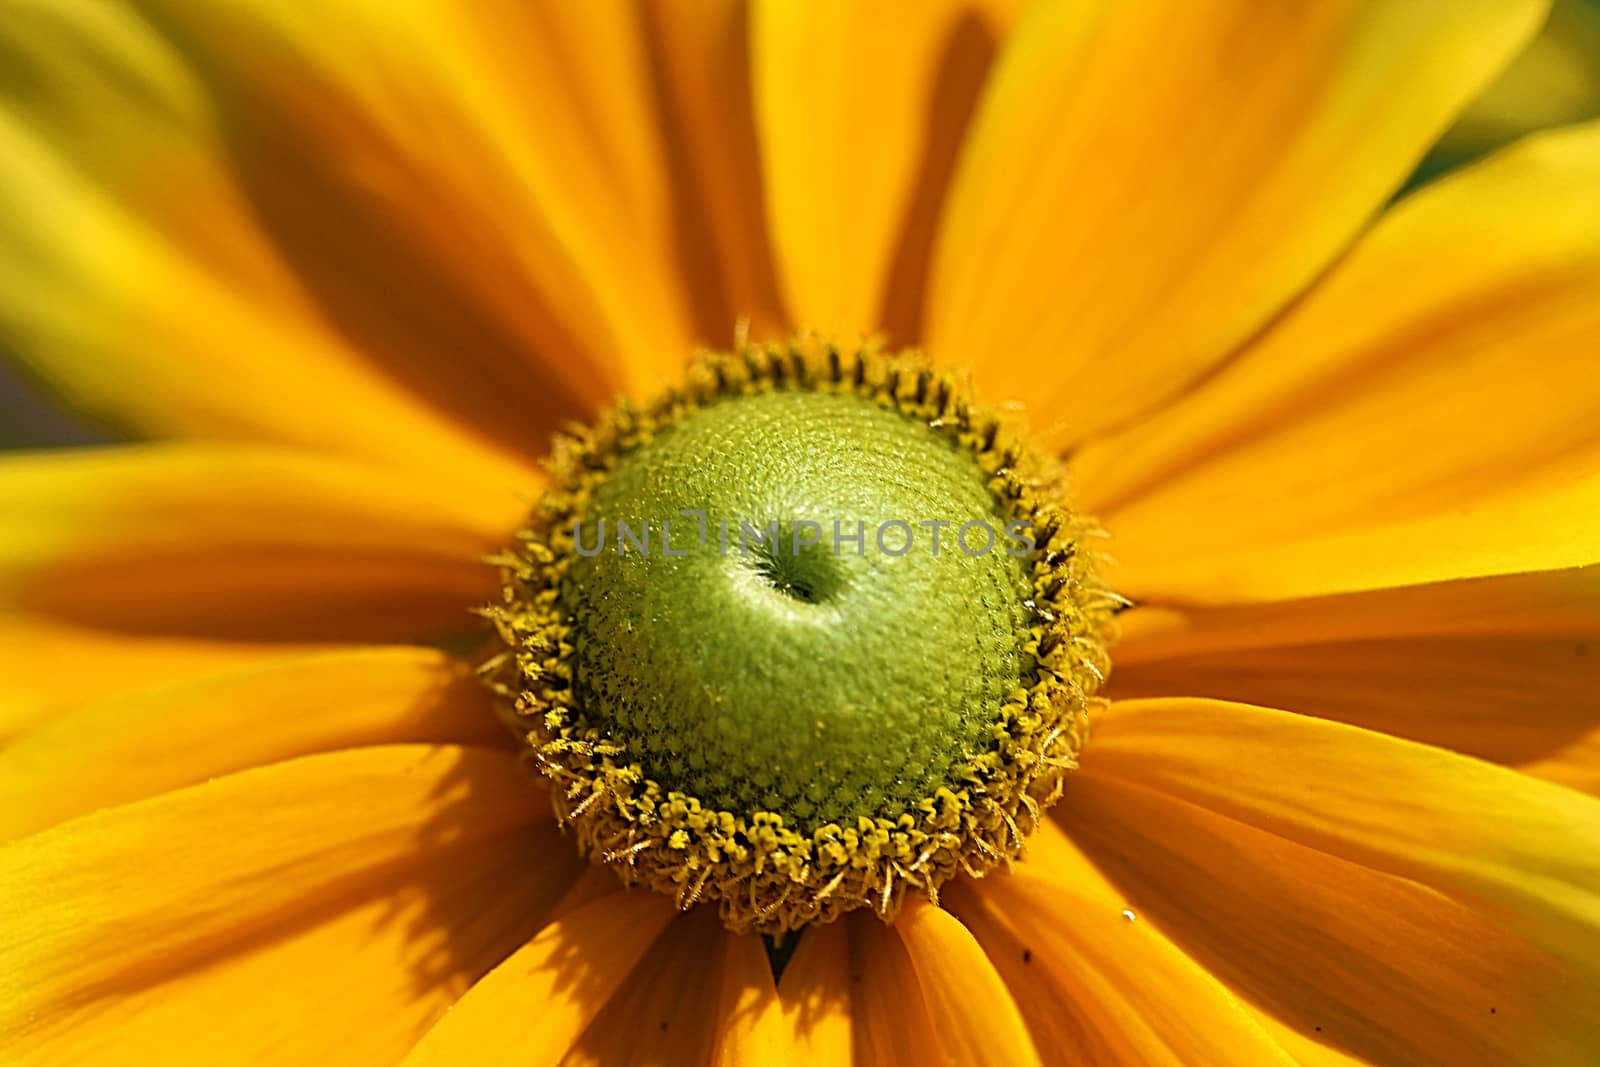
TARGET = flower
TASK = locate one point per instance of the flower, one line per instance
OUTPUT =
(348, 266)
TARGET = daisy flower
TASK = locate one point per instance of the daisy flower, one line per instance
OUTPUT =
(413, 691)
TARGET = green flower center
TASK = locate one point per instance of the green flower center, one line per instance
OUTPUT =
(815, 654)
(806, 634)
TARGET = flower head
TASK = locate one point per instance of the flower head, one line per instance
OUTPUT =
(402, 303)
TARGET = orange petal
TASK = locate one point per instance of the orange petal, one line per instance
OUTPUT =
(1093, 986)
(748, 1025)
(243, 544)
(161, 739)
(1527, 849)
(860, 108)
(1475, 303)
(816, 990)
(719, 1004)
(551, 209)
(356, 980)
(700, 65)
(969, 1006)
(1377, 966)
(1430, 324)
(103, 907)
(1146, 185)
(1537, 604)
(147, 274)
(43, 663)
(533, 1008)
(1535, 525)
(891, 1023)
(1502, 668)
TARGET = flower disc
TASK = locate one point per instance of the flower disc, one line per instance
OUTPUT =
(804, 634)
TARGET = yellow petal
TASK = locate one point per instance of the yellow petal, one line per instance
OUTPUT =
(969, 1006)
(891, 1023)
(1093, 986)
(243, 543)
(281, 173)
(748, 1025)
(1537, 604)
(1303, 1050)
(103, 905)
(1575, 762)
(1372, 964)
(172, 736)
(860, 108)
(1527, 849)
(143, 276)
(677, 1003)
(719, 1004)
(596, 881)
(1552, 82)
(700, 58)
(43, 663)
(552, 202)
(1148, 183)
(1446, 363)
(816, 993)
(1541, 523)
(356, 981)
(533, 1008)
(1503, 668)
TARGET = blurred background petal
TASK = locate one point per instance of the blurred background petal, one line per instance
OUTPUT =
(1554, 82)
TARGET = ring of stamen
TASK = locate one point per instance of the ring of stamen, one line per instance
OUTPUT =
(768, 873)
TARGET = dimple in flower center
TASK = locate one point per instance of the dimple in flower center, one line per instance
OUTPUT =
(798, 567)
(802, 636)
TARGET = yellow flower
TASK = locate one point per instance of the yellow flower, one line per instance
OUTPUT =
(350, 265)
